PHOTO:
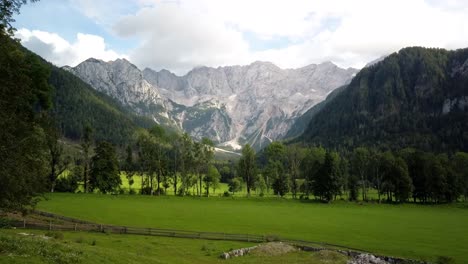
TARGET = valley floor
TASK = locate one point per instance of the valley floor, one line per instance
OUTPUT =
(411, 231)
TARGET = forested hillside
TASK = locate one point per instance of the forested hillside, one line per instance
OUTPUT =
(417, 97)
(75, 104)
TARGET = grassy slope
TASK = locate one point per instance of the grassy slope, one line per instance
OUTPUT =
(405, 230)
(76, 248)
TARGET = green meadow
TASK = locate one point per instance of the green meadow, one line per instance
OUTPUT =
(408, 230)
(75, 247)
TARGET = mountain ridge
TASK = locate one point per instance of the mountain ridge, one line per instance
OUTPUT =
(232, 105)
(416, 97)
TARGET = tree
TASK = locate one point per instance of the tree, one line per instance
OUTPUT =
(279, 179)
(294, 156)
(7, 9)
(260, 185)
(186, 162)
(57, 162)
(153, 159)
(311, 163)
(86, 143)
(226, 174)
(360, 167)
(402, 181)
(105, 169)
(276, 151)
(129, 167)
(353, 186)
(375, 168)
(326, 181)
(235, 185)
(281, 185)
(203, 153)
(247, 167)
(211, 179)
(24, 97)
(460, 167)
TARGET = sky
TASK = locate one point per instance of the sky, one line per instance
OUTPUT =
(179, 35)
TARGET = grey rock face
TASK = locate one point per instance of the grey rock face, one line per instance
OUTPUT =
(232, 105)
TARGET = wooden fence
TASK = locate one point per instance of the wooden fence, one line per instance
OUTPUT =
(63, 223)
(53, 226)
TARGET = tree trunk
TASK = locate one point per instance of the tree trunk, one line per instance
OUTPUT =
(52, 178)
(159, 183)
(85, 178)
(199, 184)
(175, 183)
(151, 185)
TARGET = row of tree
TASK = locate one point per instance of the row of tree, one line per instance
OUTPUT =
(396, 176)
(171, 160)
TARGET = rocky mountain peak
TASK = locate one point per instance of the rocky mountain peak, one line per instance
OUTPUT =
(254, 103)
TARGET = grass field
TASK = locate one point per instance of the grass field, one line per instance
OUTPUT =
(413, 231)
(73, 248)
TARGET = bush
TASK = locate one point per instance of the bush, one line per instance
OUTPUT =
(5, 223)
(226, 194)
(131, 192)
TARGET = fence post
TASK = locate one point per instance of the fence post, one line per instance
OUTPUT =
(75, 226)
(248, 239)
(100, 228)
(50, 225)
(24, 223)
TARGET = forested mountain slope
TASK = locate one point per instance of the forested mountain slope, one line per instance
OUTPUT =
(75, 104)
(417, 97)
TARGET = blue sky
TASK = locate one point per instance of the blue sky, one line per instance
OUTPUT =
(180, 34)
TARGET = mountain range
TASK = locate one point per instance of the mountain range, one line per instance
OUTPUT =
(231, 105)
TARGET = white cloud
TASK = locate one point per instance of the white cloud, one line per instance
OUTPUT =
(180, 34)
(59, 51)
(179, 40)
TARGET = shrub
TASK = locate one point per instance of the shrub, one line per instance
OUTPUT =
(226, 194)
(5, 223)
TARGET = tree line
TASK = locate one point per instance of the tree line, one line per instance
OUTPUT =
(323, 174)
